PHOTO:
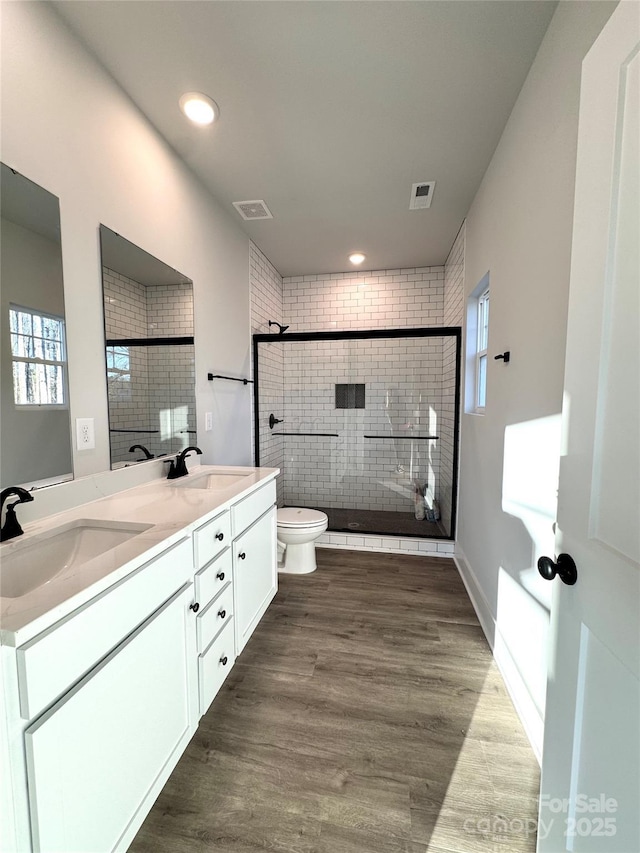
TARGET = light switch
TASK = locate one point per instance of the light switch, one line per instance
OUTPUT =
(208, 421)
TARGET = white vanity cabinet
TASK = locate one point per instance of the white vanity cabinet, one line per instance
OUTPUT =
(109, 695)
(255, 571)
(97, 755)
(100, 703)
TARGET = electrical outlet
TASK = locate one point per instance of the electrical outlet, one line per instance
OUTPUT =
(208, 421)
(85, 434)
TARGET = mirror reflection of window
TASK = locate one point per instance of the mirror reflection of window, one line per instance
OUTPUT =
(35, 430)
(119, 373)
(39, 361)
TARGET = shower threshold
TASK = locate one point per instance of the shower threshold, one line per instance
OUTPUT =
(380, 523)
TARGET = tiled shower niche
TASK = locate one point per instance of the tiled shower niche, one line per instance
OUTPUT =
(372, 468)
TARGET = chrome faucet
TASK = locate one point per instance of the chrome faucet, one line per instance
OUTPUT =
(141, 447)
(11, 527)
(178, 468)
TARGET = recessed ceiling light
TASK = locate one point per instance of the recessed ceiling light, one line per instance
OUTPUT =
(357, 258)
(199, 108)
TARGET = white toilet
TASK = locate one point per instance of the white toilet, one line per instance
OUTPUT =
(298, 530)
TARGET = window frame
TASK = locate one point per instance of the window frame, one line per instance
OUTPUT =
(62, 362)
(482, 345)
(123, 387)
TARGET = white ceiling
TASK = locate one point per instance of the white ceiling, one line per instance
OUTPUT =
(329, 110)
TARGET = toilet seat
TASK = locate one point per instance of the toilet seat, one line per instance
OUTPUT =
(292, 517)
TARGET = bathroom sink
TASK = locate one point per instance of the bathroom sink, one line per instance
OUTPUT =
(213, 481)
(28, 563)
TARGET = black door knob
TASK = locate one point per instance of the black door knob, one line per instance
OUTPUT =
(220, 536)
(220, 576)
(242, 556)
(565, 568)
(223, 660)
(222, 613)
(195, 607)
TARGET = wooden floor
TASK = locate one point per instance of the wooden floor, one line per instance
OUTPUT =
(364, 716)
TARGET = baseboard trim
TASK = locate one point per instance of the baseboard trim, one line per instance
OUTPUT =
(526, 709)
(477, 596)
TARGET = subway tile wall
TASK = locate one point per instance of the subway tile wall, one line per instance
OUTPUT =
(345, 301)
(169, 310)
(453, 316)
(125, 311)
(403, 394)
(266, 304)
(377, 299)
(159, 396)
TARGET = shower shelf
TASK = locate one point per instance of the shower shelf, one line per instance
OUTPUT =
(323, 434)
(405, 437)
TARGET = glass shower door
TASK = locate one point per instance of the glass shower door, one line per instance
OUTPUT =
(367, 432)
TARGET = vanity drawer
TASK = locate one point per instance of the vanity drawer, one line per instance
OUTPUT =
(211, 579)
(214, 665)
(253, 506)
(212, 538)
(217, 614)
(54, 660)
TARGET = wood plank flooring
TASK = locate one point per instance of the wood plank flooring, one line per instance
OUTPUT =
(365, 715)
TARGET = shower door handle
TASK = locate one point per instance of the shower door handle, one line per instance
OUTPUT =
(273, 420)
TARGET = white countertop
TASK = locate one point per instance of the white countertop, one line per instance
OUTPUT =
(169, 506)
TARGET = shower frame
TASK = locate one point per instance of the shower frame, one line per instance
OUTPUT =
(454, 332)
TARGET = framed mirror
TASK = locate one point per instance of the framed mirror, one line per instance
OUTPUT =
(35, 429)
(149, 347)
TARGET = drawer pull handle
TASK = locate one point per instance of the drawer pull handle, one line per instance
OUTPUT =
(223, 660)
(241, 555)
(220, 536)
(220, 576)
(222, 613)
(195, 606)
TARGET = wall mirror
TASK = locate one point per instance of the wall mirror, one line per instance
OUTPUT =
(35, 433)
(148, 320)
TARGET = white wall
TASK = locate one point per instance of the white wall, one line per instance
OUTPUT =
(519, 229)
(69, 128)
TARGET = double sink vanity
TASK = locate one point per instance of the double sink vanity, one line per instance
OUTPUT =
(121, 619)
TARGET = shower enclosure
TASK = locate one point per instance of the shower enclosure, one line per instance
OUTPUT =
(363, 426)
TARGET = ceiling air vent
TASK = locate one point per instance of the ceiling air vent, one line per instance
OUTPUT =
(255, 209)
(421, 195)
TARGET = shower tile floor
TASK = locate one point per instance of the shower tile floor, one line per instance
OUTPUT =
(380, 522)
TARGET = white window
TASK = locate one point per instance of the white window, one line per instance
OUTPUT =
(477, 341)
(481, 351)
(39, 357)
(118, 372)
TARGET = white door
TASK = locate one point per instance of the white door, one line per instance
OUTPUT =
(590, 794)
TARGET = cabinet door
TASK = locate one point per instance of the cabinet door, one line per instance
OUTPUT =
(214, 664)
(255, 575)
(97, 759)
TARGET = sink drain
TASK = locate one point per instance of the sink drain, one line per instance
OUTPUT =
(353, 525)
